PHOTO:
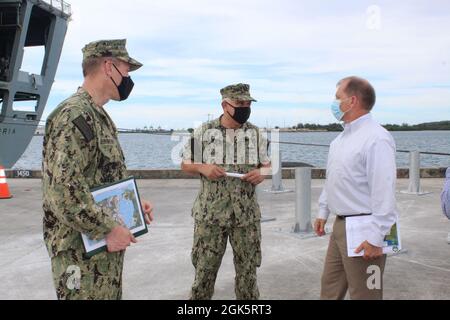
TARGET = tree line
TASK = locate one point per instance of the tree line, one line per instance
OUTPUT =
(441, 125)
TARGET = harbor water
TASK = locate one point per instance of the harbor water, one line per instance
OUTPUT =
(150, 151)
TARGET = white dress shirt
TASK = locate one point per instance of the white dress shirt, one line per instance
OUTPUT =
(361, 177)
(445, 195)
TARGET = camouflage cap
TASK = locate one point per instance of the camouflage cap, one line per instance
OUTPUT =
(110, 48)
(239, 92)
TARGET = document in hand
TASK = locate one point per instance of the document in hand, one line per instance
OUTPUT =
(357, 229)
(121, 201)
(234, 175)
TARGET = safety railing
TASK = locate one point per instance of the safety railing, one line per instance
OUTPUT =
(60, 5)
(303, 183)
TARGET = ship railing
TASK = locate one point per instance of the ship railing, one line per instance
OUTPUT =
(303, 176)
(60, 5)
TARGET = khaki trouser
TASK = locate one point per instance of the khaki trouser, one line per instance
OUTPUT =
(342, 273)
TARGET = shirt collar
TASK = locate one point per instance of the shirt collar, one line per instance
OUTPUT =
(83, 92)
(218, 123)
(356, 124)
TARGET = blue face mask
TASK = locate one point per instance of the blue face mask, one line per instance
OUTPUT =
(336, 110)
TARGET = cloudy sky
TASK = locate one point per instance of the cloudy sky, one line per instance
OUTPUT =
(291, 52)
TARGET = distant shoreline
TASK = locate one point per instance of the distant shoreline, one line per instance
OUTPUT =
(406, 130)
(301, 127)
(281, 130)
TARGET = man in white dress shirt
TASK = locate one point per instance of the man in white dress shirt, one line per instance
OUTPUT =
(361, 178)
(445, 198)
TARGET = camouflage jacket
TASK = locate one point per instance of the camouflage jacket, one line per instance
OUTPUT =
(81, 151)
(227, 201)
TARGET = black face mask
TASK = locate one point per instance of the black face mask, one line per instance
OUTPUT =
(241, 114)
(125, 87)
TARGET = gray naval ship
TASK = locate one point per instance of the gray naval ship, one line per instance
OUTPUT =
(25, 24)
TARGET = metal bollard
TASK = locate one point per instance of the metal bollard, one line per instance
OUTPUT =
(277, 170)
(414, 172)
(277, 177)
(303, 200)
(414, 175)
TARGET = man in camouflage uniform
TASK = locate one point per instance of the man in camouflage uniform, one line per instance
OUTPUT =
(226, 207)
(81, 151)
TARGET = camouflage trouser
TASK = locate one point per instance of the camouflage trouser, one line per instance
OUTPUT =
(79, 278)
(210, 242)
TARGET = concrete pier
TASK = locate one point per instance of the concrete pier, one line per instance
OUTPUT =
(159, 266)
(287, 173)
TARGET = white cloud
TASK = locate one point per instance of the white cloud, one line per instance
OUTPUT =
(134, 115)
(291, 52)
(128, 116)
